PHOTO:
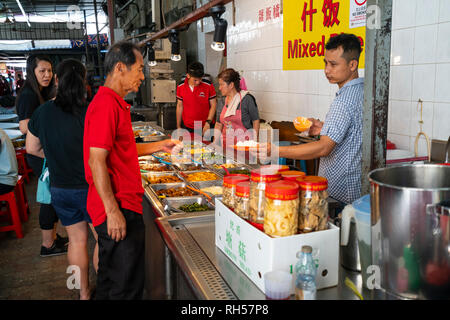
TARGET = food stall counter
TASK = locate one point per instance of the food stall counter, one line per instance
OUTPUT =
(207, 273)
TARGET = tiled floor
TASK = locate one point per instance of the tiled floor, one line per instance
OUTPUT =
(23, 273)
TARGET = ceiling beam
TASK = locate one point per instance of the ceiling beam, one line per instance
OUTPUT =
(186, 20)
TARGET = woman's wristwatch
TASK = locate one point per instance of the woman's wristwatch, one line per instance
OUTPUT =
(209, 121)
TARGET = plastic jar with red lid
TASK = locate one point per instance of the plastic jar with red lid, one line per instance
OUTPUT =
(241, 203)
(259, 178)
(292, 175)
(281, 208)
(278, 167)
(313, 212)
(229, 188)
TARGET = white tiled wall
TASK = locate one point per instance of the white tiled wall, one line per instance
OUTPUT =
(420, 68)
(255, 49)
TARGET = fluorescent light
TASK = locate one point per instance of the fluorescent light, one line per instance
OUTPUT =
(23, 12)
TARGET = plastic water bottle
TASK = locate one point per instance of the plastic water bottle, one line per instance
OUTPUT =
(305, 275)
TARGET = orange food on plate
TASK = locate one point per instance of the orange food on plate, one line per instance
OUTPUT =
(302, 124)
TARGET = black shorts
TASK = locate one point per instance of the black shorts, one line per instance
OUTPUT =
(121, 266)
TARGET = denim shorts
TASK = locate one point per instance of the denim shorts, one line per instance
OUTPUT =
(70, 205)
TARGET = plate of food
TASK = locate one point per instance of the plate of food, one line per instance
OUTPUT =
(302, 124)
(246, 145)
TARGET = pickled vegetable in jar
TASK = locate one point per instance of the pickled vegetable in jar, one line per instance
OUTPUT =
(313, 212)
(258, 180)
(241, 204)
(281, 208)
(229, 188)
(292, 175)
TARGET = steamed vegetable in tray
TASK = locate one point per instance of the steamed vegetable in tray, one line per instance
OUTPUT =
(194, 207)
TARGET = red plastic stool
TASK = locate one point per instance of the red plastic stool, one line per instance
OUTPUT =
(22, 201)
(24, 169)
(13, 213)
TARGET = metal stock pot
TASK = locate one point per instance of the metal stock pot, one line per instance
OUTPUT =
(411, 230)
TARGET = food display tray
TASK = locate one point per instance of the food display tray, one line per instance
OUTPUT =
(188, 166)
(162, 186)
(161, 174)
(256, 253)
(158, 165)
(205, 184)
(177, 202)
(219, 178)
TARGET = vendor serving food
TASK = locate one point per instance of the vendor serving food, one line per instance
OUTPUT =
(340, 141)
(239, 113)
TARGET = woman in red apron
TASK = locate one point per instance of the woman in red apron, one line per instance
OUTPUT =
(239, 114)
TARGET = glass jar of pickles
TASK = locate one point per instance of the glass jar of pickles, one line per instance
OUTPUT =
(281, 208)
(313, 212)
(258, 180)
(292, 175)
(229, 188)
(241, 203)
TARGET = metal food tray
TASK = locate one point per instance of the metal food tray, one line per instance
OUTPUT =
(150, 159)
(157, 187)
(161, 155)
(219, 178)
(177, 202)
(205, 184)
(150, 134)
(161, 174)
(185, 166)
(141, 124)
(223, 172)
(157, 165)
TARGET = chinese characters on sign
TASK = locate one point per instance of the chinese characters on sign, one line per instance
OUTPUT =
(269, 13)
(239, 254)
(308, 24)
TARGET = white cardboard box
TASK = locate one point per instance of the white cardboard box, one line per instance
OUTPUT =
(256, 253)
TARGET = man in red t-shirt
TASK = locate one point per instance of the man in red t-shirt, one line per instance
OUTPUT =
(112, 171)
(196, 100)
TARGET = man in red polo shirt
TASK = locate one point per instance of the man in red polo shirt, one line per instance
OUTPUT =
(196, 100)
(112, 172)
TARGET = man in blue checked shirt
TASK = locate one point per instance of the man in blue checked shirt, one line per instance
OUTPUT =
(340, 141)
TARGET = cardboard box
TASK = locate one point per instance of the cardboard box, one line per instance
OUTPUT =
(256, 253)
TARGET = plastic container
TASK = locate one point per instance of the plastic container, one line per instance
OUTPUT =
(242, 199)
(313, 213)
(277, 167)
(281, 208)
(229, 188)
(305, 275)
(277, 284)
(292, 175)
(258, 180)
(302, 123)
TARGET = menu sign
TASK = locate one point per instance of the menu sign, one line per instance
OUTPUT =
(308, 24)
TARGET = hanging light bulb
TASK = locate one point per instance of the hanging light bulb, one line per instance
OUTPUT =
(151, 55)
(173, 38)
(220, 30)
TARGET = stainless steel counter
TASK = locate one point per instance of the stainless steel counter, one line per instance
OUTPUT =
(212, 275)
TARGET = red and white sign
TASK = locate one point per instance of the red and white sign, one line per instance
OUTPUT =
(357, 13)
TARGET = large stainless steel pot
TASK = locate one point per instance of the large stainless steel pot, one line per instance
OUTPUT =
(410, 246)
